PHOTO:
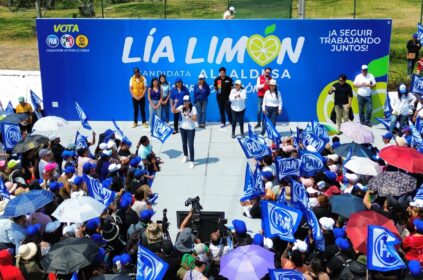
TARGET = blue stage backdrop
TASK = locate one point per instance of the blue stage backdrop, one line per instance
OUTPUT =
(91, 60)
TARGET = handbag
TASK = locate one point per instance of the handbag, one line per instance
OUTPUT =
(333, 115)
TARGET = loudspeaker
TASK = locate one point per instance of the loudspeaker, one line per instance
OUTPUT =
(208, 222)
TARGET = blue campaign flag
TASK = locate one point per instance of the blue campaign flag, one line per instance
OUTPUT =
(81, 141)
(122, 135)
(36, 103)
(314, 225)
(387, 108)
(287, 167)
(311, 163)
(386, 122)
(294, 139)
(281, 198)
(381, 252)
(311, 139)
(419, 125)
(321, 132)
(285, 274)
(97, 191)
(149, 265)
(9, 109)
(420, 32)
(160, 129)
(253, 148)
(279, 220)
(299, 194)
(253, 135)
(419, 194)
(253, 184)
(11, 135)
(271, 131)
(82, 116)
(416, 84)
(4, 193)
(416, 140)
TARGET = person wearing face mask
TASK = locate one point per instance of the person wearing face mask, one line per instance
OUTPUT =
(189, 117)
(402, 107)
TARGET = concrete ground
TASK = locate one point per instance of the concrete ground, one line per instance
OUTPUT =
(217, 178)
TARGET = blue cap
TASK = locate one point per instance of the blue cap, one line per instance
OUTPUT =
(139, 172)
(33, 229)
(108, 134)
(387, 135)
(134, 162)
(342, 243)
(419, 225)
(98, 239)
(415, 268)
(336, 145)
(125, 259)
(88, 166)
(267, 175)
(258, 239)
(66, 154)
(116, 259)
(78, 180)
(70, 169)
(107, 182)
(330, 176)
(415, 35)
(178, 80)
(124, 203)
(99, 259)
(126, 141)
(93, 224)
(239, 226)
(338, 232)
(55, 186)
(146, 215)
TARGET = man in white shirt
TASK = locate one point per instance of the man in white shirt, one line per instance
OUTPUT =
(365, 82)
(229, 13)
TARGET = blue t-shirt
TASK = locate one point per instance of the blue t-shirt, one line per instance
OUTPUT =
(179, 94)
(201, 94)
(155, 95)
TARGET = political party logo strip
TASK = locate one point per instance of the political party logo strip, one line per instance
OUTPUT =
(381, 252)
(11, 135)
(160, 129)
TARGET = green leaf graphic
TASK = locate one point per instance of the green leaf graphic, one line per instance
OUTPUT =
(379, 66)
(270, 29)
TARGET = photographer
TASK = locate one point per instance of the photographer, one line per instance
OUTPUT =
(218, 248)
(185, 238)
(241, 237)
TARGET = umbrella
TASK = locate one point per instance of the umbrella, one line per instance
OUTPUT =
(404, 158)
(246, 262)
(14, 118)
(346, 204)
(359, 133)
(394, 183)
(50, 123)
(357, 227)
(112, 277)
(330, 129)
(363, 166)
(70, 255)
(30, 142)
(356, 150)
(28, 202)
(78, 210)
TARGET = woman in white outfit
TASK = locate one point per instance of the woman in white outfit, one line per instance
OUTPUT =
(402, 107)
(237, 98)
(272, 104)
(189, 117)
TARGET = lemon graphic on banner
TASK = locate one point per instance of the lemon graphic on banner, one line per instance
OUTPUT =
(264, 50)
(377, 67)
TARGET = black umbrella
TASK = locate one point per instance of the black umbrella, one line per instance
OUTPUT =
(394, 183)
(30, 142)
(357, 150)
(112, 277)
(70, 255)
(14, 118)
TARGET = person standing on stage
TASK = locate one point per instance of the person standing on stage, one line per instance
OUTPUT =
(262, 87)
(176, 96)
(154, 97)
(165, 89)
(272, 104)
(365, 83)
(237, 98)
(223, 86)
(189, 117)
(201, 96)
(343, 98)
(137, 88)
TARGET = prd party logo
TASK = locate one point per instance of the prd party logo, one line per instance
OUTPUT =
(52, 41)
(81, 41)
(67, 41)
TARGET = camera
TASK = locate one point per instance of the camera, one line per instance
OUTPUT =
(196, 212)
(165, 225)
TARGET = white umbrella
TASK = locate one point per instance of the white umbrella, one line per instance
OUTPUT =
(363, 166)
(50, 123)
(78, 209)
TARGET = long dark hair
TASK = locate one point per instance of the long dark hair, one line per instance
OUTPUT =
(190, 107)
(165, 82)
(152, 82)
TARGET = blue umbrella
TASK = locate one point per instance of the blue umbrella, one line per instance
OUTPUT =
(28, 203)
(346, 204)
(358, 150)
(14, 118)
